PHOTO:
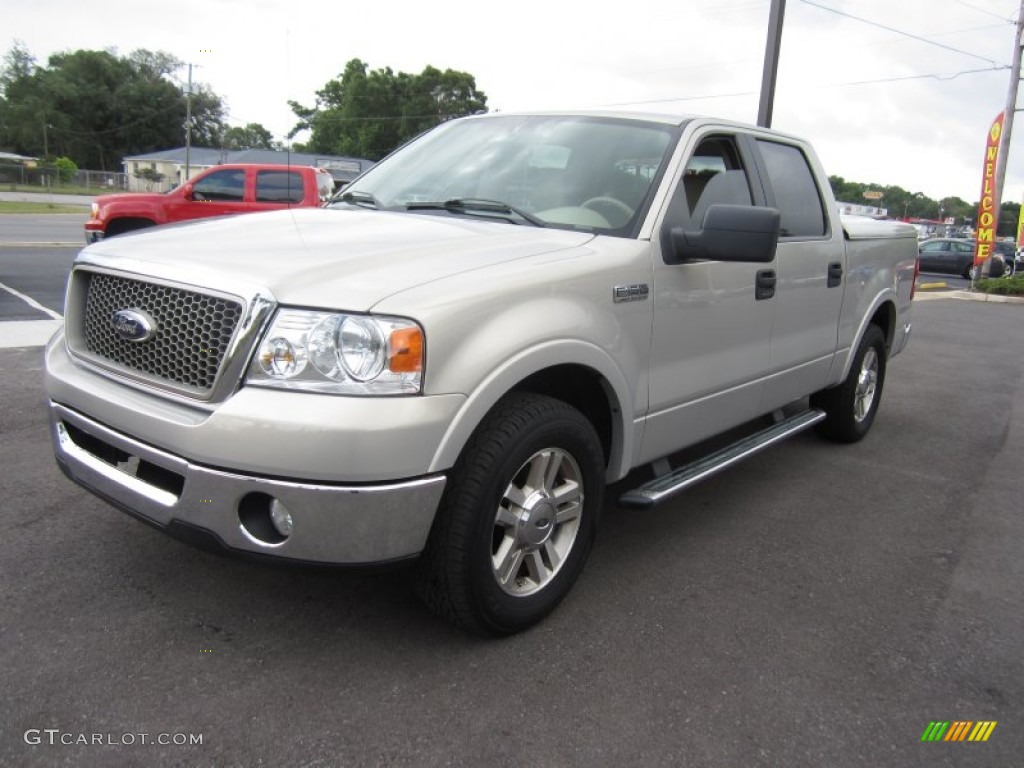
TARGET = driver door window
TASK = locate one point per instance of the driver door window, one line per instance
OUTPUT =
(713, 175)
(226, 186)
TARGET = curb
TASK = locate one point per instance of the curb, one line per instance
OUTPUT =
(970, 296)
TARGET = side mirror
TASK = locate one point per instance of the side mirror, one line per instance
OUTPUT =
(737, 233)
(186, 191)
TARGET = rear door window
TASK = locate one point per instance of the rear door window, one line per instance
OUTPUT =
(278, 187)
(796, 193)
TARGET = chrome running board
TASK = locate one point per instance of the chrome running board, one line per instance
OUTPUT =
(667, 485)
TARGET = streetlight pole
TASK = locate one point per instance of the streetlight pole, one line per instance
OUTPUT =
(1011, 107)
(188, 122)
(771, 63)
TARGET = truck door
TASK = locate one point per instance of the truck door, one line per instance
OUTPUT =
(216, 194)
(712, 319)
(812, 272)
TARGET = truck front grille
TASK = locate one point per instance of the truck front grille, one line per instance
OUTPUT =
(191, 336)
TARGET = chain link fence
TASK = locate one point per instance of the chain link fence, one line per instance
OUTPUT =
(47, 177)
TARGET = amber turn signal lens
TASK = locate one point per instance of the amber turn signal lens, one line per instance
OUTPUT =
(405, 350)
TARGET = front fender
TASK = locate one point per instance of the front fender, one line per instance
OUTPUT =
(503, 379)
(121, 210)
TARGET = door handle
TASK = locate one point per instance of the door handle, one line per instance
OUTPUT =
(835, 274)
(765, 286)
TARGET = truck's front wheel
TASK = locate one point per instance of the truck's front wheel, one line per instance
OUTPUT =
(518, 517)
(121, 226)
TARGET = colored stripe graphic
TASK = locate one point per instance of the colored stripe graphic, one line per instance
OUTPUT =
(982, 731)
(958, 730)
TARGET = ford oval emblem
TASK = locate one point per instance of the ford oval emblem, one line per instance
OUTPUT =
(133, 325)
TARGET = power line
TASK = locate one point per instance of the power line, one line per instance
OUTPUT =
(680, 98)
(901, 32)
(985, 11)
(935, 75)
(716, 65)
(982, 28)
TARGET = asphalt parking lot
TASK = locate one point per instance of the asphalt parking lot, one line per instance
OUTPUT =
(818, 605)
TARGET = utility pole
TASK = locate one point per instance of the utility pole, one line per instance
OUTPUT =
(771, 63)
(1011, 107)
(188, 122)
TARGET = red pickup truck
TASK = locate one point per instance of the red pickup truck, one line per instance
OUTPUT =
(217, 191)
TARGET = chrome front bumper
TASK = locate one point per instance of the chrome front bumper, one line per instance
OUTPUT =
(332, 524)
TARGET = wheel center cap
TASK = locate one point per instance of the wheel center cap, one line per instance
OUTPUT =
(537, 522)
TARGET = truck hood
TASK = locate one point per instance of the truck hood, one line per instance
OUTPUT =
(328, 258)
(135, 198)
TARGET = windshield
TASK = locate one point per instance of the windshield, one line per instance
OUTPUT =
(571, 172)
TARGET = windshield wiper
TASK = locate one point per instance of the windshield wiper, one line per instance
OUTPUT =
(358, 197)
(476, 205)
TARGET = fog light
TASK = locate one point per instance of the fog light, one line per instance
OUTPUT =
(281, 518)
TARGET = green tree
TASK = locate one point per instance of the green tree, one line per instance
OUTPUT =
(249, 136)
(901, 203)
(1008, 217)
(96, 107)
(150, 177)
(18, 63)
(368, 113)
(66, 169)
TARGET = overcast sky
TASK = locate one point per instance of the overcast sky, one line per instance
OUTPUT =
(904, 94)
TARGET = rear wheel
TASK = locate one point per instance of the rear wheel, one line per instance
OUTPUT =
(518, 517)
(850, 407)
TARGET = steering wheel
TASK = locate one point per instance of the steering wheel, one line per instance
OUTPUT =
(621, 213)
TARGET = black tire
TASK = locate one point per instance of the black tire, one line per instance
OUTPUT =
(850, 407)
(121, 226)
(527, 447)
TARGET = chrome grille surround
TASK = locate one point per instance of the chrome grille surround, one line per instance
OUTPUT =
(204, 335)
(192, 336)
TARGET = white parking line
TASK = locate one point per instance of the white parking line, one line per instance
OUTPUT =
(42, 244)
(27, 333)
(31, 302)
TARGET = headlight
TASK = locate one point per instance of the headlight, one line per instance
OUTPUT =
(340, 354)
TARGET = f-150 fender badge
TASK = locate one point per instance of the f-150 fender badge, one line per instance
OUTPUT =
(133, 325)
(633, 292)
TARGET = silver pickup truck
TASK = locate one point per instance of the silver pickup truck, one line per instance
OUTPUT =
(449, 362)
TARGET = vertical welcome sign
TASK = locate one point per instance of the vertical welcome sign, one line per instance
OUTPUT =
(988, 215)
